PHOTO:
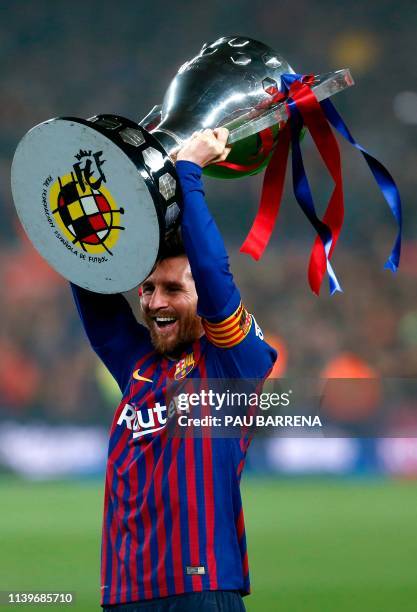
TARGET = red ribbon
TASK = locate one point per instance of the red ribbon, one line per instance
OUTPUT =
(326, 143)
(273, 184)
(272, 189)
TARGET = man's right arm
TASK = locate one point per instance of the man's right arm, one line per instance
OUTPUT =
(114, 334)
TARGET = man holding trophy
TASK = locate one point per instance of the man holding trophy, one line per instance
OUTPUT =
(173, 529)
(102, 200)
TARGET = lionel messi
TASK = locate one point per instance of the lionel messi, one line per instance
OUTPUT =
(173, 527)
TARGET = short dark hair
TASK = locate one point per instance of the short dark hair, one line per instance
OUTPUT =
(172, 246)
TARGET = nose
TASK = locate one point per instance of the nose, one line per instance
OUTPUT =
(158, 300)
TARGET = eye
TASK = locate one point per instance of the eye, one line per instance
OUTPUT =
(173, 288)
(147, 289)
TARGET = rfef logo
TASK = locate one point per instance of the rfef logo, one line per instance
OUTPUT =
(84, 208)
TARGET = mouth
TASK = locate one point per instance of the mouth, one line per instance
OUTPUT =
(165, 324)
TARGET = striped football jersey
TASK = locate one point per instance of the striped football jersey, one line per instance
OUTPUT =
(173, 518)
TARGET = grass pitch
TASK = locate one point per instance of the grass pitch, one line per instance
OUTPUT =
(314, 545)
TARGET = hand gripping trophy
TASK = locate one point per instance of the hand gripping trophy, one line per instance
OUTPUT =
(99, 196)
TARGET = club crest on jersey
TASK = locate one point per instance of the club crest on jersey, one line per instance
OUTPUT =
(184, 366)
(245, 321)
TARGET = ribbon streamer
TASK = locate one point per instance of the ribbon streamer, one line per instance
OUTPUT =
(383, 178)
(305, 110)
(272, 189)
(319, 259)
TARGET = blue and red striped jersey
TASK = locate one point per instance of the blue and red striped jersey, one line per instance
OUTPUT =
(173, 518)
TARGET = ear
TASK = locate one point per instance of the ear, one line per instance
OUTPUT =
(140, 295)
(189, 273)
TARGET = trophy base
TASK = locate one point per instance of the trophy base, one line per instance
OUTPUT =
(97, 198)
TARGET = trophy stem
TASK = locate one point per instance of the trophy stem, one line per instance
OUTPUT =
(170, 141)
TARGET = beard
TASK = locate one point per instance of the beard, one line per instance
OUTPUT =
(189, 329)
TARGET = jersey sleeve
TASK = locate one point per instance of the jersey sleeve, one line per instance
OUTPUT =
(218, 297)
(114, 334)
(232, 332)
(245, 356)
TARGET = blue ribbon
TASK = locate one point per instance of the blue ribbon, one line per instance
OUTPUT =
(383, 178)
(301, 185)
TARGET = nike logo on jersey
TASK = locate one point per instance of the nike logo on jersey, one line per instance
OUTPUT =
(137, 376)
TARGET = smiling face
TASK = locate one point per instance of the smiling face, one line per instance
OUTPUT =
(169, 306)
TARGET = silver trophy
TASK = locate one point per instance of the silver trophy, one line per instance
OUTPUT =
(98, 197)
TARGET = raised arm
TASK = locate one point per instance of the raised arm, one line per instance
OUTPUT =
(114, 334)
(233, 334)
(218, 296)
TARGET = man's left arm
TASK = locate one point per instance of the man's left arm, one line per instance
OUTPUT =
(228, 326)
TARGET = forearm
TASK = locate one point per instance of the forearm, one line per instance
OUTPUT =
(217, 294)
(114, 334)
(102, 315)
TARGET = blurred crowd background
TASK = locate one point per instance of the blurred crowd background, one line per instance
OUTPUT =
(86, 58)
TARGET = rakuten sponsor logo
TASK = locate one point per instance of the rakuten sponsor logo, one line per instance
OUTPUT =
(144, 421)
